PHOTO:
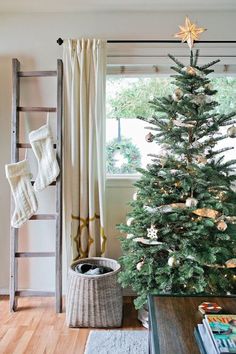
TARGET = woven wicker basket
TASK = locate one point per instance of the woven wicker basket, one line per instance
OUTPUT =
(94, 301)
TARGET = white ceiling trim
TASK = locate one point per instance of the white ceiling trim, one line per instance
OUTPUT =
(29, 6)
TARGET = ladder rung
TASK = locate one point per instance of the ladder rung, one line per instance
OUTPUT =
(34, 293)
(28, 146)
(36, 73)
(36, 109)
(43, 217)
(52, 184)
(34, 254)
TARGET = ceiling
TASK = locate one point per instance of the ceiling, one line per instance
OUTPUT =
(115, 5)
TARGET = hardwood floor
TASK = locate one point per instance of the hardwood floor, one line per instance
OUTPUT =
(36, 329)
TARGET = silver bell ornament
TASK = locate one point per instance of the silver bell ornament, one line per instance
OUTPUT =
(231, 132)
(149, 137)
(191, 202)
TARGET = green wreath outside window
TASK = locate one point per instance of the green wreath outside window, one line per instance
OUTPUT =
(123, 157)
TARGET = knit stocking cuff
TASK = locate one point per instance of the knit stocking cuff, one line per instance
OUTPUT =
(17, 169)
(40, 134)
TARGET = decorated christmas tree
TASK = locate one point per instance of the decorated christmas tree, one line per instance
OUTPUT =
(181, 232)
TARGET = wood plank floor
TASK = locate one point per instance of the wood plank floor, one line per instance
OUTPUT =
(36, 329)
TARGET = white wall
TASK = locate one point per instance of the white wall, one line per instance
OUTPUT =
(32, 39)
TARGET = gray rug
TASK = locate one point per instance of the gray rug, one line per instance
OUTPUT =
(117, 342)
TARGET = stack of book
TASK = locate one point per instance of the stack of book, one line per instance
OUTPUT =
(216, 334)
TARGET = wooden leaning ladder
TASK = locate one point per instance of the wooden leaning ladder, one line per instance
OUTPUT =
(16, 145)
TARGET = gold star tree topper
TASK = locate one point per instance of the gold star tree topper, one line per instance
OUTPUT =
(189, 32)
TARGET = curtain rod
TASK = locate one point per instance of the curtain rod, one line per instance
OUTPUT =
(60, 41)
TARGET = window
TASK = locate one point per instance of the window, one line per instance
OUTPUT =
(127, 140)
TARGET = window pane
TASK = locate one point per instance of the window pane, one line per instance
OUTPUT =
(127, 140)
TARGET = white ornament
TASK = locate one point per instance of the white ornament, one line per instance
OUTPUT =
(129, 236)
(129, 221)
(191, 202)
(152, 233)
(231, 132)
(173, 262)
(135, 196)
(139, 265)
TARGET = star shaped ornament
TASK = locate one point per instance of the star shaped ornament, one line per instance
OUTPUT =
(152, 233)
(189, 32)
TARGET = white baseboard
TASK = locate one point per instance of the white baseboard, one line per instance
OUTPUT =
(4, 291)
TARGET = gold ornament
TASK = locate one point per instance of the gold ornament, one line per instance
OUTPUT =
(231, 263)
(221, 225)
(189, 124)
(149, 137)
(191, 202)
(177, 95)
(178, 205)
(222, 196)
(190, 70)
(231, 132)
(189, 32)
(177, 184)
(207, 213)
(201, 159)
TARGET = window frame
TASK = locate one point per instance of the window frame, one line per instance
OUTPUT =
(141, 60)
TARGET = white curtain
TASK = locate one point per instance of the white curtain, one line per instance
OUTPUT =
(84, 141)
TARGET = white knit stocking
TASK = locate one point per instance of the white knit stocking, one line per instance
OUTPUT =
(18, 175)
(42, 144)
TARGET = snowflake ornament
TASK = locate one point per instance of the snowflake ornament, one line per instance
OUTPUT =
(152, 233)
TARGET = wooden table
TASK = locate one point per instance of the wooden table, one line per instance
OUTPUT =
(173, 318)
